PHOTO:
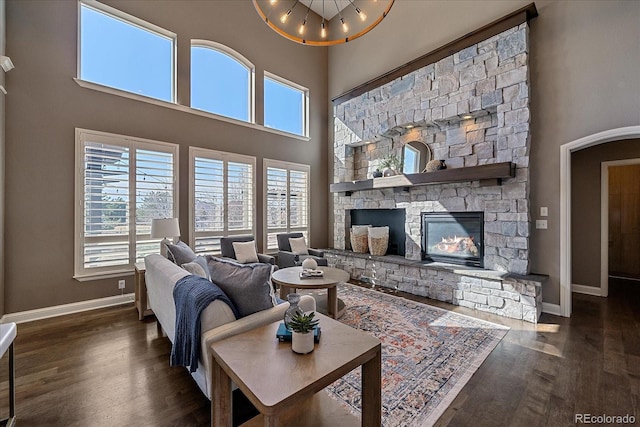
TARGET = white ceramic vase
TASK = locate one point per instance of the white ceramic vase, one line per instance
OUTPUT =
(309, 264)
(302, 343)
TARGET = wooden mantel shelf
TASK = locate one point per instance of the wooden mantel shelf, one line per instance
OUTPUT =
(494, 173)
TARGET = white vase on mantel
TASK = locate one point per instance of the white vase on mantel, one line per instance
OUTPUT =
(302, 343)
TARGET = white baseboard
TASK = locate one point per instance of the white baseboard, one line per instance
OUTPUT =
(589, 290)
(551, 309)
(59, 310)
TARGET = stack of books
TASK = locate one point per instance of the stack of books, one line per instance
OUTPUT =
(283, 334)
(308, 273)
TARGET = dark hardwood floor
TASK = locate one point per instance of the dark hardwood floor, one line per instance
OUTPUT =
(105, 368)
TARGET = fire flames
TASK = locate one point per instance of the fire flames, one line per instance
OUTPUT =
(456, 246)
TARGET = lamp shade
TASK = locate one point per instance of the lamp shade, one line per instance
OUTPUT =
(165, 227)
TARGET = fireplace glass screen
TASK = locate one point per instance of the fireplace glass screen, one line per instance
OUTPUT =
(453, 237)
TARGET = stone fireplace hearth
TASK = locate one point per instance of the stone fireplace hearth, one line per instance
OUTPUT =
(470, 109)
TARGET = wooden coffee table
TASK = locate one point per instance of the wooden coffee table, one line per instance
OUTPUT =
(289, 280)
(285, 387)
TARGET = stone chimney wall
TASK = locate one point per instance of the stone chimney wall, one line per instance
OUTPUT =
(471, 108)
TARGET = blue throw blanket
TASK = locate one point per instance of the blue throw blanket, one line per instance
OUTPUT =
(192, 294)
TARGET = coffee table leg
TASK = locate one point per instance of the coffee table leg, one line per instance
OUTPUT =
(221, 412)
(285, 290)
(372, 391)
(332, 301)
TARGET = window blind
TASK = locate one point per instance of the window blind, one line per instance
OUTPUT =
(122, 184)
(222, 197)
(286, 200)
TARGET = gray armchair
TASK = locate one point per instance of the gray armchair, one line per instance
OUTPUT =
(226, 248)
(286, 258)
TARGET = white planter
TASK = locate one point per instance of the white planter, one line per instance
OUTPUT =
(302, 343)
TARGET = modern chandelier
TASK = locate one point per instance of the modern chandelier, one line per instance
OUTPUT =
(322, 22)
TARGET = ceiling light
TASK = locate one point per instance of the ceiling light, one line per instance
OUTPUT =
(468, 116)
(5, 63)
(322, 22)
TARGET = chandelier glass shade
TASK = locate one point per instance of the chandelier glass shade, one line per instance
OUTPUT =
(322, 22)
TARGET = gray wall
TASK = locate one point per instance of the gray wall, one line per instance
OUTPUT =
(584, 63)
(585, 206)
(2, 155)
(46, 105)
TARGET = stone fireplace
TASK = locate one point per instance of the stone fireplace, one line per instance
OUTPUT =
(470, 109)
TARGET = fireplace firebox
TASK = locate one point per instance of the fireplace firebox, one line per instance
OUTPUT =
(393, 218)
(453, 237)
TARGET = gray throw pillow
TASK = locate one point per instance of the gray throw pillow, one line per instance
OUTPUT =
(247, 285)
(202, 261)
(180, 253)
(195, 268)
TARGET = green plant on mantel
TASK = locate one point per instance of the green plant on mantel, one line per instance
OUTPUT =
(303, 323)
(392, 162)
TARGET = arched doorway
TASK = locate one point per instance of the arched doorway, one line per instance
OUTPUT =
(630, 132)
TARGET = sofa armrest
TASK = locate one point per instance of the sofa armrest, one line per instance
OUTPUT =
(255, 320)
(267, 259)
(316, 252)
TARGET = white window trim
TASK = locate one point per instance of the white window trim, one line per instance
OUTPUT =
(226, 157)
(305, 104)
(133, 20)
(108, 138)
(226, 50)
(270, 163)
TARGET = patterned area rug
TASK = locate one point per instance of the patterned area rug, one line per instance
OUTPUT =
(428, 354)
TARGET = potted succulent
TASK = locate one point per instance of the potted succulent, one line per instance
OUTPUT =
(391, 165)
(302, 326)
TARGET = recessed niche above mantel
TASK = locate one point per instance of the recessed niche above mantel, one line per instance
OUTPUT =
(439, 124)
(490, 174)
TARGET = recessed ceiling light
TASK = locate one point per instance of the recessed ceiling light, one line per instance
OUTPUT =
(468, 116)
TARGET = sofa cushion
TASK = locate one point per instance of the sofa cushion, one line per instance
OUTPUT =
(180, 253)
(245, 251)
(248, 285)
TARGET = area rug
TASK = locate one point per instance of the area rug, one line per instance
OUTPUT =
(428, 354)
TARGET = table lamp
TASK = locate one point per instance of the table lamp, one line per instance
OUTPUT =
(165, 227)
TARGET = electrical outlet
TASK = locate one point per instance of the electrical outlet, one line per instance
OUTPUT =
(544, 211)
(121, 284)
(541, 224)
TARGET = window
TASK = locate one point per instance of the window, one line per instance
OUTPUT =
(222, 80)
(121, 51)
(285, 105)
(222, 197)
(122, 183)
(286, 200)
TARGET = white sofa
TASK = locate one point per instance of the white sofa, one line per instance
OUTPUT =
(217, 320)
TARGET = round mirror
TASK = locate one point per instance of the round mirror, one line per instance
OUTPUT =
(415, 156)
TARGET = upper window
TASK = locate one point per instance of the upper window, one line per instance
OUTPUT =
(285, 105)
(222, 197)
(122, 183)
(286, 207)
(221, 80)
(121, 51)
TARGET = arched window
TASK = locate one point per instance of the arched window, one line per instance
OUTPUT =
(222, 81)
